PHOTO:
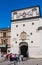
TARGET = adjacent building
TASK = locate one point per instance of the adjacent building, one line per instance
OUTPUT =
(5, 40)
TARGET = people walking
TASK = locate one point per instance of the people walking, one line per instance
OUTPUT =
(11, 57)
(22, 58)
(19, 57)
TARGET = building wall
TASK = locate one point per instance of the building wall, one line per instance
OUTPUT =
(6, 37)
(8, 33)
(34, 40)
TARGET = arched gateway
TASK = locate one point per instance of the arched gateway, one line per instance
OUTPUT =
(24, 49)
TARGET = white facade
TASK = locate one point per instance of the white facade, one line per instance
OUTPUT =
(33, 36)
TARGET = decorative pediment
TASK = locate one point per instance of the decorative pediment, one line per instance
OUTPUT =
(23, 35)
(26, 13)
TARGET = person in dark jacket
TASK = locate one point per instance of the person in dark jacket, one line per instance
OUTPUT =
(11, 57)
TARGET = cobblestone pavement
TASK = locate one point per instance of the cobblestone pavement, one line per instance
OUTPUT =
(27, 62)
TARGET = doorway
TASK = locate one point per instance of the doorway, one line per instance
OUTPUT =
(24, 49)
(4, 50)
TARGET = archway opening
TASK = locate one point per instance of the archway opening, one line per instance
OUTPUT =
(24, 49)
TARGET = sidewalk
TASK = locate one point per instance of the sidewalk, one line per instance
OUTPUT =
(26, 62)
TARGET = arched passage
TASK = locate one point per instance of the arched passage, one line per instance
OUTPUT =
(24, 49)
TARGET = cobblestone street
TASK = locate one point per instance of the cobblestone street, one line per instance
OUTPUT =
(27, 62)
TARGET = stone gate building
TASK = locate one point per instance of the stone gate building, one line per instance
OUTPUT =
(26, 32)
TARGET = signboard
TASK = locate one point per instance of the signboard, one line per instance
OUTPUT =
(2, 45)
(26, 13)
